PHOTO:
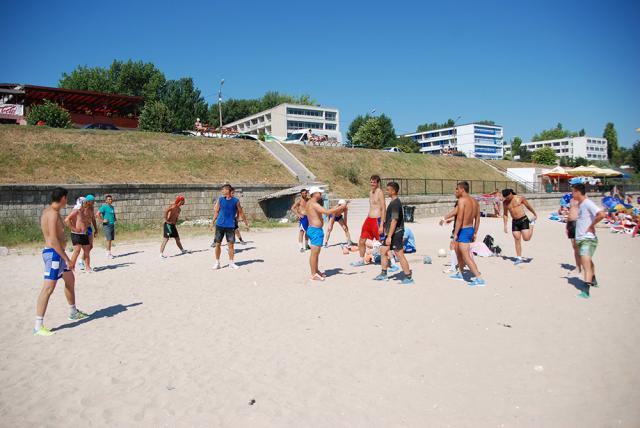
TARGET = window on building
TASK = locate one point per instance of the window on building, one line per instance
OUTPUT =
(331, 126)
(295, 124)
(305, 112)
(330, 115)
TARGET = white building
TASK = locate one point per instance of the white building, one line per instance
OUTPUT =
(590, 148)
(473, 139)
(285, 119)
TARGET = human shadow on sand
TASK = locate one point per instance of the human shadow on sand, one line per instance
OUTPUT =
(243, 249)
(337, 271)
(248, 262)
(525, 260)
(127, 254)
(567, 266)
(111, 267)
(577, 283)
(101, 313)
(188, 252)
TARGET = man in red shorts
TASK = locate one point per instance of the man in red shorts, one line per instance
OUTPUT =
(372, 226)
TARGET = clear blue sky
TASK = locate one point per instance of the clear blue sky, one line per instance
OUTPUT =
(525, 65)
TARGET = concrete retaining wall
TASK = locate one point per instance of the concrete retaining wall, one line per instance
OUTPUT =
(134, 202)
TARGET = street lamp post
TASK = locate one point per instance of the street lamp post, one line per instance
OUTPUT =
(220, 105)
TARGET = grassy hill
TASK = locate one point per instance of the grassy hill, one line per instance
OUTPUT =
(347, 171)
(39, 155)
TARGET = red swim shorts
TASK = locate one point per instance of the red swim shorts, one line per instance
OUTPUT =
(370, 229)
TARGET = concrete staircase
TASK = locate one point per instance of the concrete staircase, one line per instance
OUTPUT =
(531, 187)
(286, 158)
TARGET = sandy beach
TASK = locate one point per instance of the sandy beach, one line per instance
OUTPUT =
(174, 343)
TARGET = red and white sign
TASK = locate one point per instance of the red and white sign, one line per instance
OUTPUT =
(12, 109)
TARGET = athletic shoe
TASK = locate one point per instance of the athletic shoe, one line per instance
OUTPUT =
(594, 282)
(110, 256)
(381, 277)
(302, 250)
(393, 268)
(233, 266)
(478, 282)
(162, 256)
(183, 251)
(584, 295)
(317, 277)
(77, 316)
(43, 332)
(216, 265)
(357, 263)
(457, 276)
(326, 245)
(213, 244)
(407, 281)
(81, 265)
(518, 261)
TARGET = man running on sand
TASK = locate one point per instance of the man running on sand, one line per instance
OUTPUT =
(169, 229)
(315, 232)
(56, 263)
(78, 221)
(224, 218)
(342, 221)
(465, 232)
(394, 232)
(372, 226)
(521, 227)
(299, 208)
(588, 216)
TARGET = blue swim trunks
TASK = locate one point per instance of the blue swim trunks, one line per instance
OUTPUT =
(465, 235)
(304, 223)
(316, 236)
(89, 231)
(54, 266)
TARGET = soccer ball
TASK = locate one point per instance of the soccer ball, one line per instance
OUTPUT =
(426, 260)
(442, 253)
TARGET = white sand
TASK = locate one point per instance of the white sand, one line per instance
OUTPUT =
(174, 343)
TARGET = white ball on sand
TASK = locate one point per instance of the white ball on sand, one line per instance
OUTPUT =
(442, 253)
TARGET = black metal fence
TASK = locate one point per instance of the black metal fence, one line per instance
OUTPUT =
(431, 186)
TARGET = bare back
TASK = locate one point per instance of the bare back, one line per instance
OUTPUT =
(52, 234)
(172, 213)
(468, 209)
(376, 203)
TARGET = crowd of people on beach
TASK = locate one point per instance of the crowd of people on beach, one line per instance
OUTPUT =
(384, 236)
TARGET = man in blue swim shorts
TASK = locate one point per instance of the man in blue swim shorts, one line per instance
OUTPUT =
(299, 208)
(315, 233)
(56, 263)
(465, 232)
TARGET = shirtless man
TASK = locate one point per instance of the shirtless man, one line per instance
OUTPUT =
(465, 232)
(315, 210)
(56, 262)
(342, 221)
(520, 225)
(372, 226)
(299, 208)
(78, 221)
(169, 229)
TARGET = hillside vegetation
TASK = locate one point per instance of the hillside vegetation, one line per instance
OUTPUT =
(347, 171)
(40, 155)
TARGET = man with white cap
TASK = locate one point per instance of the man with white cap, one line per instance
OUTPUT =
(78, 221)
(315, 210)
(342, 221)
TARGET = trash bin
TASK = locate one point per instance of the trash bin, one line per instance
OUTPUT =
(408, 213)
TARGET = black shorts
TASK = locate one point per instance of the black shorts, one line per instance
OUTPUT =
(235, 224)
(225, 232)
(571, 229)
(396, 240)
(80, 239)
(520, 224)
(170, 231)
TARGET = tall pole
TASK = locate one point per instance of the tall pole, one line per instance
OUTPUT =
(220, 105)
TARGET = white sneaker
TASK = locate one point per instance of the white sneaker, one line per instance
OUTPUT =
(162, 256)
(233, 266)
(81, 265)
(183, 251)
(109, 256)
(216, 265)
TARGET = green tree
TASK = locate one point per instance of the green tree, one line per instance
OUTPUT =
(486, 122)
(582, 133)
(355, 126)
(525, 155)
(156, 117)
(370, 135)
(87, 79)
(51, 114)
(435, 125)
(635, 156)
(611, 135)
(580, 161)
(185, 102)
(516, 144)
(388, 131)
(621, 157)
(544, 156)
(554, 134)
(407, 144)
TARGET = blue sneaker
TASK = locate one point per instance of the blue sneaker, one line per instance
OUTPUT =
(478, 282)
(407, 281)
(381, 277)
(584, 295)
(358, 263)
(457, 276)
(393, 268)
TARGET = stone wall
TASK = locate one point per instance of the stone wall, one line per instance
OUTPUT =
(134, 202)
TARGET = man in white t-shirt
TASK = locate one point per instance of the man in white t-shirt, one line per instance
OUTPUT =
(589, 215)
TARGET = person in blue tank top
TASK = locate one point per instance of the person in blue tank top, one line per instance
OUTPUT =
(224, 219)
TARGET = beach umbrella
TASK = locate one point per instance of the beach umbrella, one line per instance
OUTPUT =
(608, 172)
(558, 172)
(583, 171)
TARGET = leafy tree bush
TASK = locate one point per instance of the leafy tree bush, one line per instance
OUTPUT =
(156, 117)
(185, 102)
(611, 135)
(544, 156)
(350, 172)
(370, 135)
(635, 156)
(435, 125)
(387, 137)
(51, 114)
(554, 134)
(407, 145)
